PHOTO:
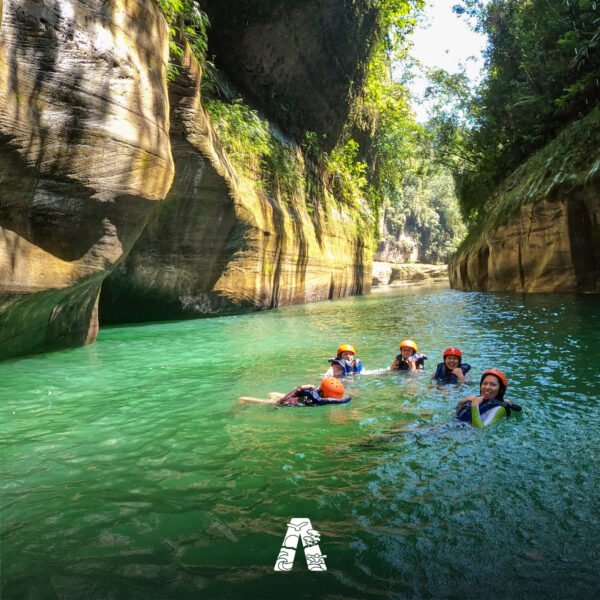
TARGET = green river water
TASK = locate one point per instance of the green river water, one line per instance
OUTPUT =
(129, 469)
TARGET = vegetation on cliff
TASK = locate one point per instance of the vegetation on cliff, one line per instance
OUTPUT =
(570, 161)
(186, 21)
(380, 166)
(541, 74)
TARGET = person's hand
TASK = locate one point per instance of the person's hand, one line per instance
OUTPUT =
(412, 363)
(458, 373)
(477, 400)
(466, 399)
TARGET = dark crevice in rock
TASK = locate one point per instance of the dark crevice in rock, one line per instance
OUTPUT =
(583, 249)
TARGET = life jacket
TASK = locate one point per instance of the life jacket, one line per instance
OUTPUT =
(463, 412)
(349, 367)
(310, 397)
(403, 364)
(442, 374)
(323, 401)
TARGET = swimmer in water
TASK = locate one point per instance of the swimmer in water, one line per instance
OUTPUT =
(345, 362)
(489, 406)
(409, 358)
(452, 369)
(331, 391)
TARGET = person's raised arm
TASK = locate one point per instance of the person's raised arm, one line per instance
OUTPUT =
(458, 372)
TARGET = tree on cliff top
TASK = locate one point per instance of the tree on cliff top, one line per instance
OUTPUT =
(541, 73)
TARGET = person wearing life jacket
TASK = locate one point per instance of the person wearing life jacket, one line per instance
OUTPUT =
(344, 363)
(409, 358)
(331, 391)
(452, 369)
(489, 407)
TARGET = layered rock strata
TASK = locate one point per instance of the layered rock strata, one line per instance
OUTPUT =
(218, 245)
(542, 232)
(84, 156)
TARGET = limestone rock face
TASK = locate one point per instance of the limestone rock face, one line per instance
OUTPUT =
(302, 61)
(550, 246)
(216, 245)
(541, 228)
(84, 156)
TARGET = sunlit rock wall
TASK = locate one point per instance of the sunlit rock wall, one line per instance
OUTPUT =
(217, 245)
(551, 241)
(84, 156)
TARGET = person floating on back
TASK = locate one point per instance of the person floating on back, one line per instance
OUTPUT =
(409, 358)
(452, 369)
(489, 407)
(331, 391)
(344, 363)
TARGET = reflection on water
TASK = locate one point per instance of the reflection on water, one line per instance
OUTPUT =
(129, 470)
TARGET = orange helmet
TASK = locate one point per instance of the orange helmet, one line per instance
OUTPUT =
(408, 344)
(346, 348)
(332, 388)
(452, 351)
(497, 373)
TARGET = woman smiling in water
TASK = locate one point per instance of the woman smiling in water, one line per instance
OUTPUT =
(489, 407)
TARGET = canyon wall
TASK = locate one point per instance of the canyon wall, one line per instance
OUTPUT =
(541, 229)
(84, 156)
(117, 202)
(220, 245)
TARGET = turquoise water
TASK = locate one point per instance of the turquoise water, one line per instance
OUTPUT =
(129, 469)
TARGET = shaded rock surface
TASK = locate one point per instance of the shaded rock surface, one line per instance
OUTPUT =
(302, 61)
(84, 156)
(542, 232)
(218, 245)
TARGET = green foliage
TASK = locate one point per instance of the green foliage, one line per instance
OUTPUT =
(570, 160)
(346, 174)
(186, 22)
(397, 18)
(284, 172)
(542, 65)
(425, 209)
(244, 135)
(383, 157)
(404, 180)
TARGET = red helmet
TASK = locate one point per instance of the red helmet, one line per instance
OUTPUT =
(346, 348)
(497, 373)
(452, 351)
(332, 388)
(408, 344)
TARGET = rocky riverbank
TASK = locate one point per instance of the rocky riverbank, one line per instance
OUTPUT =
(407, 273)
